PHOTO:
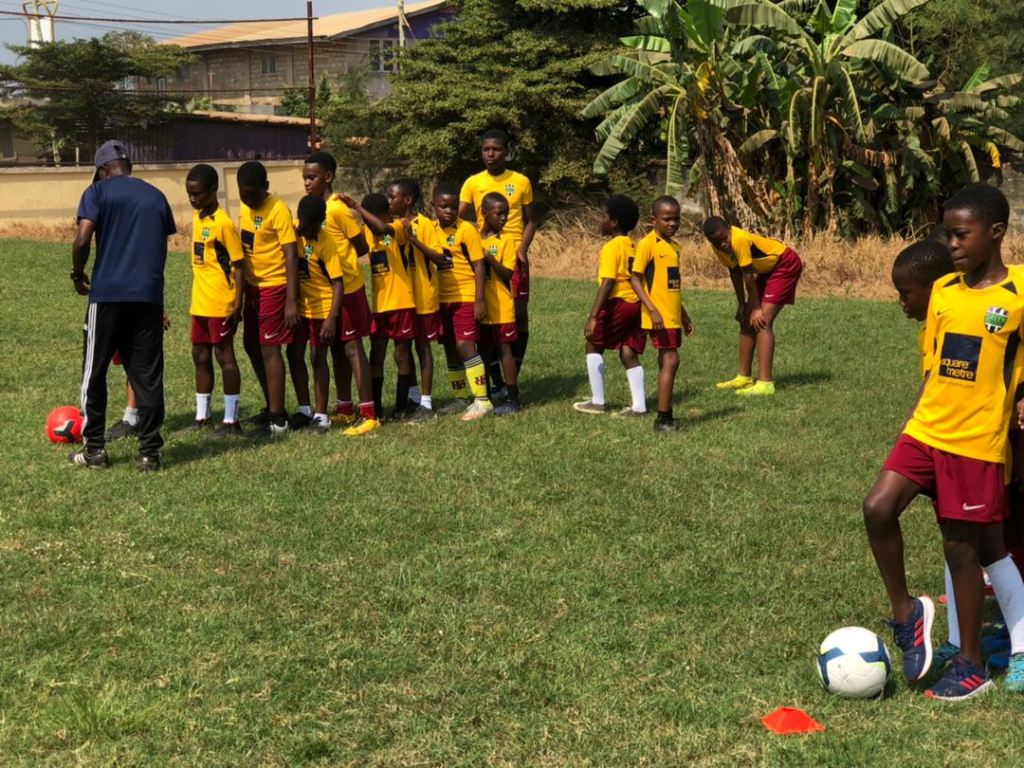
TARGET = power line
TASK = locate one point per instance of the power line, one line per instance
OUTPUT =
(193, 22)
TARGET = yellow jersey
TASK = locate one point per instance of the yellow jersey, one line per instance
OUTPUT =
(319, 264)
(342, 227)
(513, 186)
(973, 338)
(616, 264)
(425, 288)
(657, 262)
(749, 249)
(392, 283)
(264, 231)
(461, 247)
(216, 252)
(501, 308)
(922, 349)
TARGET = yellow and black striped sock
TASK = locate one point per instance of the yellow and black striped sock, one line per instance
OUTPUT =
(476, 377)
(457, 378)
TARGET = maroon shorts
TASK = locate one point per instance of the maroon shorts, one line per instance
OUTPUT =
(964, 488)
(429, 328)
(666, 338)
(356, 321)
(398, 324)
(116, 359)
(308, 330)
(618, 324)
(263, 315)
(500, 333)
(458, 322)
(211, 330)
(520, 283)
(779, 285)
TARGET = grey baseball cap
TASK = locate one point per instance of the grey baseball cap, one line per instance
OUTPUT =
(108, 153)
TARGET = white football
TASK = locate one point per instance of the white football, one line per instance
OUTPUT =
(853, 662)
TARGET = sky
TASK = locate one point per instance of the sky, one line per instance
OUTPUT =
(15, 30)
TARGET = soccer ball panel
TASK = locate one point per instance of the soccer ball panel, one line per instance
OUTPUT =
(853, 662)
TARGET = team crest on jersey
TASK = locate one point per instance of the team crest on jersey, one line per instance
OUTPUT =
(995, 319)
(510, 189)
(386, 240)
(451, 240)
(493, 251)
(307, 251)
(257, 222)
(205, 234)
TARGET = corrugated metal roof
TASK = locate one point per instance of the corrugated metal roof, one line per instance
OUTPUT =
(326, 27)
(247, 117)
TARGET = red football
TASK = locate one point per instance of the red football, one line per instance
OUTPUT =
(64, 425)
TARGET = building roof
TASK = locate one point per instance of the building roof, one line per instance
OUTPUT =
(324, 28)
(246, 117)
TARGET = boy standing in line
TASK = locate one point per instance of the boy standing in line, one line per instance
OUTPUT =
(614, 321)
(271, 299)
(499, 331)
(656, 281)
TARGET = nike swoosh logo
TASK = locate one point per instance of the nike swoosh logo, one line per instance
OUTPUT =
(225, 333)
(406, 330)
(269, 336)
(973, 507)
(431, 336)
(467, 333)
(508, 335)
(942, 311)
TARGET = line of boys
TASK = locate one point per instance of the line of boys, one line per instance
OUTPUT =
(432, 281)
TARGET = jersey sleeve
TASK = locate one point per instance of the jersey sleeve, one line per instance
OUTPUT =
(429, 234)
(931, 330)
(401, 235)
(231, 241)
(471, 244)
(466, 195)
(508, 253)
(346, 222)
(89, 205)
(608, 268)
(741, 250)
(332, 259)
(527, 198)
(642, 256)
(281, 221)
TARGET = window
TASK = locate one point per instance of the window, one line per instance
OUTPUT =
(382, 56)
(161, 84)
(184, 74)
(268, 63)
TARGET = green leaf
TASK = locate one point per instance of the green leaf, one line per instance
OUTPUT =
(880, 19)
(648, 43)
(678, 149)
(755, 43)
(979, 76)
(844, 15)
(757, 141)
(645, 73)
(612, 97)
(1006, 81)
(821, 19)
(969, 162)
(765, 15)
(817, 111)
(844, 83)
(708, 21)
(903, 65)
(1005, 139)
(628, 126)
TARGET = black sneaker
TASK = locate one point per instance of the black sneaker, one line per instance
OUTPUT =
(149, 464)
(299, 420)
(92, 459)
(421, 415)
(261, 419)
(669, 425)
(120, 431)
(228, 430)
(319, 427)
(199, 425)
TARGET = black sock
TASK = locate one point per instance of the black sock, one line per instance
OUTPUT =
(665, 415)
(378, 395)
(278, 419)
(519, 348)
(497, 380)
(513, 393)
(402, 391)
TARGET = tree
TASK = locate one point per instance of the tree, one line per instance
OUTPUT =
(295, 101)
(83, 92)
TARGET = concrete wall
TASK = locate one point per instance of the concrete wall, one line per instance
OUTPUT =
(49, 196)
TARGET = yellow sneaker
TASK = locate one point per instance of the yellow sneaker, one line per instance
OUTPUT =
(363, 427)
(761, 388)
(345, 419)
(740, 382)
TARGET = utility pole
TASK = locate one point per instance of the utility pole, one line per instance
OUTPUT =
(312, 76)
(401, 31)
(39, 16)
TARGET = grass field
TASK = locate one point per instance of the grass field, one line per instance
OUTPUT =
(549, 589)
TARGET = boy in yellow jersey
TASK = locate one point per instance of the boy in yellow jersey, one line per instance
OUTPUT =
(522, 224)
(499, 331)
(426, 292)
(461, 282)
(768, 272)
(953, 448)
(614, 321)
(321, 288)
(394, 308)
(656, 281)
(271, 299)
(218, 282)
(348, 355)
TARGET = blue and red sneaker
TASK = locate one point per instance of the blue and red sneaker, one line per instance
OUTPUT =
(963, 680)
(914, 638)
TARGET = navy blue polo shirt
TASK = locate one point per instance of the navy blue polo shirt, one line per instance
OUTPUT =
(133, 222)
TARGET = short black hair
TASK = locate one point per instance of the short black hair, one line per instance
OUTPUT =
(985, 203)
(252, 174)
(325, 160)
(205, 175)
(445, 188)
(409, 187)
(492, 199)
(624, 211)
(938, 234)
(665, 200)
(312, 208)
(496, 133)
(376, 204)
(713, 224)
(926, 261)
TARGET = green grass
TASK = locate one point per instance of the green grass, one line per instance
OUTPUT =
(550, 589)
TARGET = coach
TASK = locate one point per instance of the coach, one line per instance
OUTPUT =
(131, 221)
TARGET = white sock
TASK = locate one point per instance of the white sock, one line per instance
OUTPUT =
(305, 410)
(427, 401)
(636, 388)
(416, 395)
(953, 621)
(202, 406)
(321, 419)
(595, 368)
(231, 408)
(1009, 589)
(131, 415)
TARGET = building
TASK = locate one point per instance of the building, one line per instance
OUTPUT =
(248, 67)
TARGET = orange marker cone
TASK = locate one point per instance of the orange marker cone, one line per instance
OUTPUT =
(790, 720)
